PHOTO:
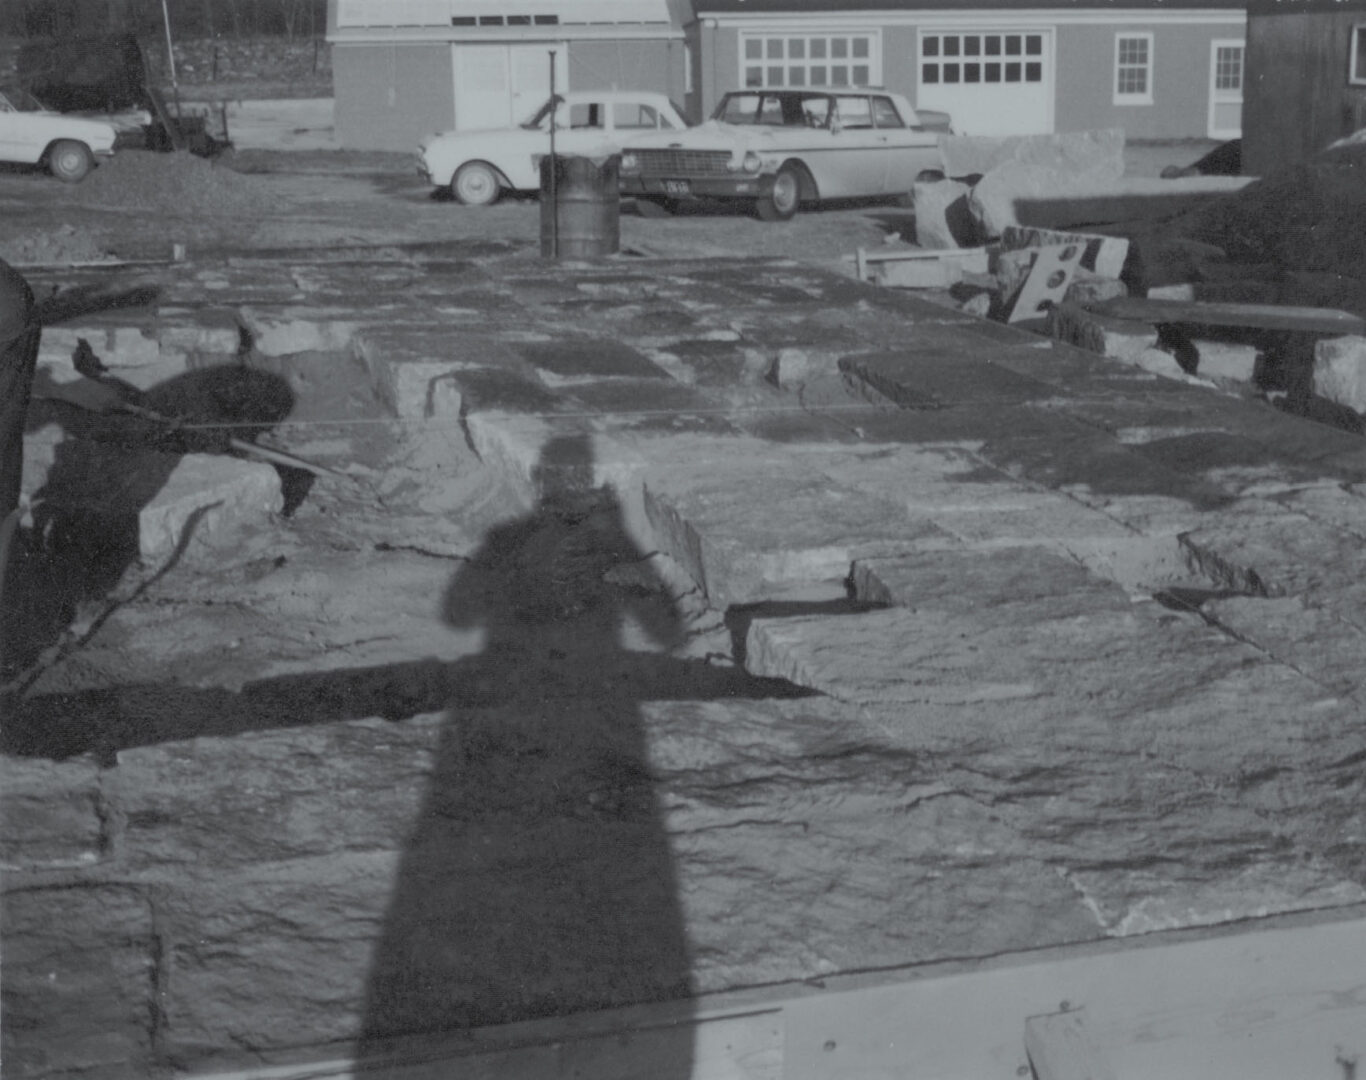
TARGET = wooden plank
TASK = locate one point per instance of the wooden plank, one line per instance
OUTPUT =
(1060, 1049)
(1285, 999)
(1258, 316)
(1264, 1005)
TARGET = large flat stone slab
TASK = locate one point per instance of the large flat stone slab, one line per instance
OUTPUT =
(52, 814)
(756, 530)
(81, 980)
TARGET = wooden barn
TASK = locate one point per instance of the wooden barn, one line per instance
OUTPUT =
(1306, 78)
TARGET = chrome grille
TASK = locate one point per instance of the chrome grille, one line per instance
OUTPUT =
(682, 163)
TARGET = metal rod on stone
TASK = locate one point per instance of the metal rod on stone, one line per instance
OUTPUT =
(554, 194)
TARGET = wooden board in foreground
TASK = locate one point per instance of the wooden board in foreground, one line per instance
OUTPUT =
(1256, 316)
(1279, 999)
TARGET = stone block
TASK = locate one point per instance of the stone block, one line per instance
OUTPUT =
(80, 983)
(220, 494)
(423, 372)
(294, 330)
(791, 368)
(1340, 371)
(51, 813)
(749, 533)
(272, 795)
(1121, 339)
(1104, 255)
(942, 218)
(1096, 153)
(1226, 360)
(1087, 288)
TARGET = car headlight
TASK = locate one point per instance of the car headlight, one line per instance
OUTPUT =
(629, 162)
(752, 163)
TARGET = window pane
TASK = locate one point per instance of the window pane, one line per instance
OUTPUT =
(930, 73)
(950, 73)
(992, 43)
(754, 49)
(796, 48)
(1033, 71)
(839, 75)
(929, 46)
(861, 75)
(1033, 45)
(796, 76)
(754, 76)
(819, 76)
(885, 114)
(951, 45)
(992, 72)
(839, 48)
(818, 48)
(775, 76)
(1012, 73)
(972, 45)
(860, 48)
(972, 72)
(1013, 45)
(775, 48)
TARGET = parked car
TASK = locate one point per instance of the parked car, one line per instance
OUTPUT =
(778, 148)
(31, 134)
(478, 166)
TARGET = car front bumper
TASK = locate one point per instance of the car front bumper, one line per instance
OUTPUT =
(740, 186)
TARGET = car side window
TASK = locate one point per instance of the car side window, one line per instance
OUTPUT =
(854, 112)
(885, 114)
(817, 112)
(585, 115)
(628, 115)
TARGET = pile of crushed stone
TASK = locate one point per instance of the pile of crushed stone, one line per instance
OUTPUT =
(177, 183)
(61, 247)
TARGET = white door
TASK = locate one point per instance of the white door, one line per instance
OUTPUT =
(498, 86)
(991, 82)
(1225, 89)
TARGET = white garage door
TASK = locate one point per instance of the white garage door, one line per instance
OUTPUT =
(500, 85)
(991, 82)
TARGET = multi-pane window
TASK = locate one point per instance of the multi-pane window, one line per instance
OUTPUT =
(1356, 72)
(981, 58)
(1134, 69)
(800, 60)
(1228, 68)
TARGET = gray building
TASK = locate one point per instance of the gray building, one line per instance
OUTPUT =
(405, 68)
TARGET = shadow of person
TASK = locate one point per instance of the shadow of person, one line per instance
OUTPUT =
(537, 880)
(106, 469)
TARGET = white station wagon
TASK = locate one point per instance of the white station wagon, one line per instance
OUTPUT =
(478, 166)
(776, 148)
(32, 135)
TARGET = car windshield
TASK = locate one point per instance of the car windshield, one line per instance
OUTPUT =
(538, 118)
(774, 110)
(20, 100)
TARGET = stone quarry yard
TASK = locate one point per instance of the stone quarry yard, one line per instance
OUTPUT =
(694, 619)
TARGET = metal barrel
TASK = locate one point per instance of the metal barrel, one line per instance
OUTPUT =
(582, 218)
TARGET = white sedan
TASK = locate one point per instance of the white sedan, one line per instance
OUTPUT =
(478, 166)
(32, 135)
(777, 148)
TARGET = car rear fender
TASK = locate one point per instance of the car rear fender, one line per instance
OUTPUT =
(502, 176)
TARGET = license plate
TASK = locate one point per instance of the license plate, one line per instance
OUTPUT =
(676, 187)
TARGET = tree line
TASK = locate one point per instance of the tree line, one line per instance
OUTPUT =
(189, 18)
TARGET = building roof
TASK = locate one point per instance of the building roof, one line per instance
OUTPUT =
(803, 7)
(1292, 7)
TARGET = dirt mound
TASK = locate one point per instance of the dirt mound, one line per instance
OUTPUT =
(65, 245)
(175, 183)
(1308, 218)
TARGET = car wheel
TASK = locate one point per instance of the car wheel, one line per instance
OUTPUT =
(476, 184)
(655, 208)
(786, 196)
(70, 161)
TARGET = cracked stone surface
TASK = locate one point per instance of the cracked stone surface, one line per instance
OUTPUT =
(617, 671)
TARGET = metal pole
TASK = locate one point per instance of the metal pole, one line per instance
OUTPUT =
(554, 180)
(170, 56)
